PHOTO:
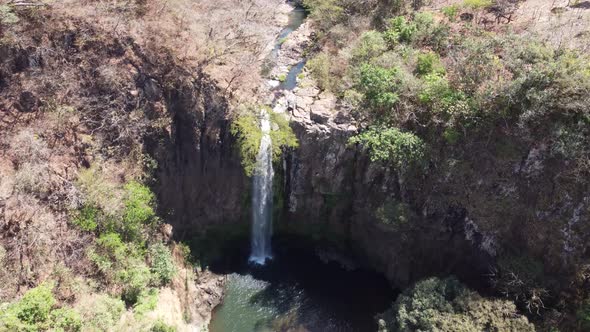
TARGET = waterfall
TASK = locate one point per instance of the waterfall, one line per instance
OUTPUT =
(262, 196)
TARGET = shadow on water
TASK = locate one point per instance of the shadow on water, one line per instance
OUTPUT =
(296, 291)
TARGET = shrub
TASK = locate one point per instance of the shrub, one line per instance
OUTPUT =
(35, 306)
(28, 146)
(370, 45)
(319, 66)
(391, 144)
(100, 312)
(87, 218)
(33, 177)
(378, 86)
(134, 277)
(139, 210)
(162, 265)
(450, 12)
(35, 311)
(399, 30)
(325, 13)
(446, 305)
(146, 301)
(477, 4)
(65, 319)
(451, 135)
(160, 326)
(429, 63)
(99, 191)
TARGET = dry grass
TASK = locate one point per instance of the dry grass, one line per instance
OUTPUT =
(229, 38)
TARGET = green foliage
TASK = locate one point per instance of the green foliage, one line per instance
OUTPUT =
(101, 312)
(139, 209)
(65, 319)
(429, 63)
(146, 301)
(477, 4)
(319, 66)
(325, 13)
(135, 278)
(160, 326)
(422, 30)
(378, 86)
(446, 305)
(370, 45)
(122, 264)
(391, 144)
(399, 30)
(282, 77)
(450, 12)
(36, 311)
(246, 127)
(87, 218)
(162, 265)
(36, 304)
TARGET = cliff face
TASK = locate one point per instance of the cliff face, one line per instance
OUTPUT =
(200, 179)
(468, 208)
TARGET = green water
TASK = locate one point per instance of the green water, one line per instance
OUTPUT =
(298, 292)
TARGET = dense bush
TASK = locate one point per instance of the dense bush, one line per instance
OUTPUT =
(36, 310)
(402, 149)
(378, 86)
(325, 13)
(446, 305)
(139, 210)
(428, 63)
(162, 265)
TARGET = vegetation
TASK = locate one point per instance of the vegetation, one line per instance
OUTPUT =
(246, 127)
(403, 149)
(446, 305)
(37, 310)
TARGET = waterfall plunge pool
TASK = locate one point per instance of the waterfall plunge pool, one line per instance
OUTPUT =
(296, 291)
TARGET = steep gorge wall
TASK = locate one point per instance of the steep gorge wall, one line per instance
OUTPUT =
(200, 179)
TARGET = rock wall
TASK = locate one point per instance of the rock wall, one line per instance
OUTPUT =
(200, 179)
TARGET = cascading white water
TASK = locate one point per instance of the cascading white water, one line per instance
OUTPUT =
(262, 196)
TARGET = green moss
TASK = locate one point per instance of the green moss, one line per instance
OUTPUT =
(246, 127)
